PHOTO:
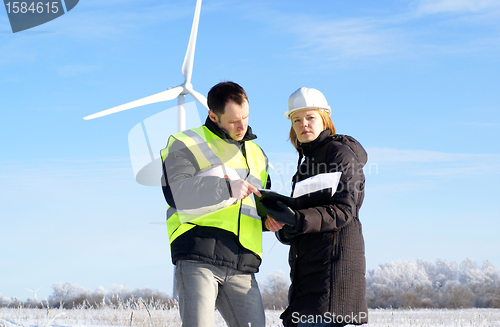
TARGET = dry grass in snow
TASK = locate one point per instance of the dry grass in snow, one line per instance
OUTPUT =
(158, 317)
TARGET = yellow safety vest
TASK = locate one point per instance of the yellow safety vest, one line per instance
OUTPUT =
(240, 218)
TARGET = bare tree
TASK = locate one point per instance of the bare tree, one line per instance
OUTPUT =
(275, 291)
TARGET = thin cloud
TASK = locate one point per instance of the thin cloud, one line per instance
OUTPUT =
(14, 52)
(432, 163)
(97, 21)
(14, 174)
(480, 124)
(346, 38)
(455, 6)
(386, 37)
(75, 70)
(336, 39)
(93, 22)
(383, 155)
(379, 191)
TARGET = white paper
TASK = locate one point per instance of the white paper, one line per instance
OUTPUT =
(317, 183)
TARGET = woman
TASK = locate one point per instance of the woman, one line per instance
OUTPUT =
(327, 257)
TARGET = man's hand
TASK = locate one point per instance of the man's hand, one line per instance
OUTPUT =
(240, 189)
(273, 225)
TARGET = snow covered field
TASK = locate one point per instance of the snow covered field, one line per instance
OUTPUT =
(157, 318)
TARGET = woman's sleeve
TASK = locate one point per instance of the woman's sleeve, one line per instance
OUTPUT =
(343, 204)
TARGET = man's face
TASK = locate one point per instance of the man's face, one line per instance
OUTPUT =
(234, 120)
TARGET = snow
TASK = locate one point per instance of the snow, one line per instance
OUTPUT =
(121, 317)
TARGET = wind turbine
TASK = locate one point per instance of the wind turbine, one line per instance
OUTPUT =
(34, 292)
(179, 91)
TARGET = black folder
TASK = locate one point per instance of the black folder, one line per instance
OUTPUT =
(270, 198)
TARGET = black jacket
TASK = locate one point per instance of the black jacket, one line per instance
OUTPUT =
(327, 257)
(207, 244)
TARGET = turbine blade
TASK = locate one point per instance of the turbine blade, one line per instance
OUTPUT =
(199, 97)
(187, 65)
(158, 97)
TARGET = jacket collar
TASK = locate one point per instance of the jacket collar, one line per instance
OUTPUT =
(214, 128)
(309, 148)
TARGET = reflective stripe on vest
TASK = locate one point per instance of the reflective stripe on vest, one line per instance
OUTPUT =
(240, 218)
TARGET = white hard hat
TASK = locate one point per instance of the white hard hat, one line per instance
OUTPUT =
(221, 171)
(306, 98)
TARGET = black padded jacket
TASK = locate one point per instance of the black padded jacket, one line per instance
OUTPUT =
(327, 257)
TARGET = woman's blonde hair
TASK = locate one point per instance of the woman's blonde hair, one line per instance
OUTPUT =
(327, 124)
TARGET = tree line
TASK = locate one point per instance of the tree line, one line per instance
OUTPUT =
(399, 284)
(415, 284)
(443, 284)
(73, 296)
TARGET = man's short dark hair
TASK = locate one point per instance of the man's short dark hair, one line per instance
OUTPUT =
(221, 93)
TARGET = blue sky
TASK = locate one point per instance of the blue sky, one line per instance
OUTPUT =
(417, 82)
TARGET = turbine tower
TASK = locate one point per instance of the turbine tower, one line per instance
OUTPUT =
(179, 91)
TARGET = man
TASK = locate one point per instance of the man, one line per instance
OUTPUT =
(216, 253)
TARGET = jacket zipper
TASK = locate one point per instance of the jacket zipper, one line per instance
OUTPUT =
(335, 244)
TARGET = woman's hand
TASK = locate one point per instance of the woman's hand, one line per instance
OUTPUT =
(273, 225)
(281, 213)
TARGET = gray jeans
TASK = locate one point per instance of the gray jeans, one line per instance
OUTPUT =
(203, 287)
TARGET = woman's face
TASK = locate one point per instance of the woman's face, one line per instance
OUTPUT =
(307, 124)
